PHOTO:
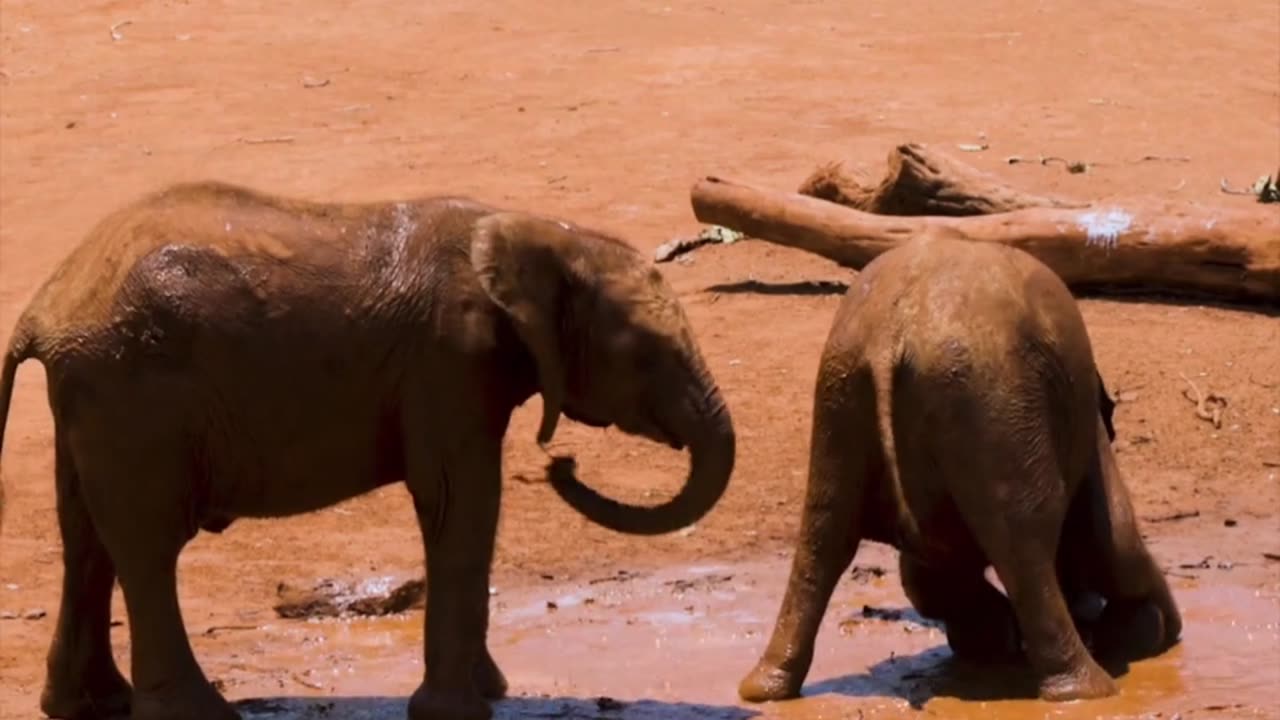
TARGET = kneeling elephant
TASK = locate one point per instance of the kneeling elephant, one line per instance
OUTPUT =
(958, 416)
(214, 352)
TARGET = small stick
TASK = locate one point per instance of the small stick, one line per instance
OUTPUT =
(1227, 189)
(115, 29)
(1159, 158)
(1182, 515)
(219, 628)
(1203, 401)
(266, 140)
(680, 246)
(306, 683)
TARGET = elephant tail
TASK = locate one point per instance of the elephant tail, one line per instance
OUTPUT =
(21, 346)
(882, 380)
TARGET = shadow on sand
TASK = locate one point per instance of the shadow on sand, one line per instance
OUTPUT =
(514, 708)
(936, 672)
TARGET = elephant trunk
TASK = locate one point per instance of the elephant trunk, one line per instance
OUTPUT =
(710, 438)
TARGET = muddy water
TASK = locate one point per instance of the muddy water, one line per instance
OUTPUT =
(674, 643)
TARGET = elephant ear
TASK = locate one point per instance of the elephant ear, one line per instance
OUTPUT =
(1107, 407)
(518, 261)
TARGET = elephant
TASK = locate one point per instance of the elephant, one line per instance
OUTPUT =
(216, 352)
(959, 417)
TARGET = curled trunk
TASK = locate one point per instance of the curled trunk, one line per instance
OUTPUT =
(711, 448)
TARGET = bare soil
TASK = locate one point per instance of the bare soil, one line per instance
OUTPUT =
(606, 114)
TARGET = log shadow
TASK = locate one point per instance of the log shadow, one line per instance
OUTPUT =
(1080, 292)
(514, 708)
(803, 287)
(1179, 299)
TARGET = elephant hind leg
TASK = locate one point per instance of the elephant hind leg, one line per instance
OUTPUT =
(82, 680)
(845, 456)
(136, 477)
(1140, 618)
(1019, 536)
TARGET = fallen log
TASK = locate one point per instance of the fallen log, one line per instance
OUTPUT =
(919, 181)
(1146, 246)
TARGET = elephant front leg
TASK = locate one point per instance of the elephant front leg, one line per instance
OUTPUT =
(83, 679)
(843, 458)
(458, 514)
(490, 681)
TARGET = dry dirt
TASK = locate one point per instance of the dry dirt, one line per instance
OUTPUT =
(606, 113)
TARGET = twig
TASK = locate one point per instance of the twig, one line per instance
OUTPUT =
(669, 251)
(714, 234)
(1203, 401)
(1228, 190)
(1161, 158)
(1181, 515)
(1074, 167)
(116, 36)
(265, 140)
(305, 682)
(214, 629)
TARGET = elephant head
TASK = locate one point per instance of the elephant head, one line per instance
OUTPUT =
(612, 346)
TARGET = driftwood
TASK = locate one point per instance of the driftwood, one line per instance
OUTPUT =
(922, 182)
(1226, 253)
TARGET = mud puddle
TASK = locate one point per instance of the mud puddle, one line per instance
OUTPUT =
(673, 644)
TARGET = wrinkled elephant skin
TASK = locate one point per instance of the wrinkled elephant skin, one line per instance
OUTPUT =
(959, 417)
(213, 352)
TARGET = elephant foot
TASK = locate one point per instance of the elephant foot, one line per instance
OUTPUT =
(767, 682)
(1130, 631)
(435, 705)
(490, 681)
(93, 697)
(193, 701)
(1087, 682)
(995, 643)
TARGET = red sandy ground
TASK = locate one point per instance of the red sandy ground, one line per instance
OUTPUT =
(606, 113)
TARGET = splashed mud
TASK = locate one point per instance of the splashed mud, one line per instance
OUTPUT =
(674, 644)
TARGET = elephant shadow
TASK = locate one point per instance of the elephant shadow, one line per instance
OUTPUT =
(512, 708)
(929, 674)
(936, 672)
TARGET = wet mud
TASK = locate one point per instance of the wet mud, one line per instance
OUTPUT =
(674, 643)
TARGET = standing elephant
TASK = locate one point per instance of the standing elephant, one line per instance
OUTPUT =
(213, 352)
(959, 417)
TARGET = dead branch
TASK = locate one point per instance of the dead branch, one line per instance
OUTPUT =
(920, 181)
(1208, 406)
(1146, 245)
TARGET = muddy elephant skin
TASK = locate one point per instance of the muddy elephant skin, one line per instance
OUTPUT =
(214, 352)
(959, 417)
